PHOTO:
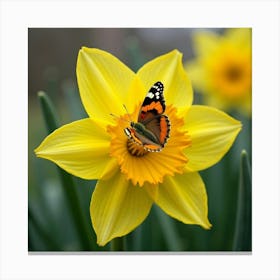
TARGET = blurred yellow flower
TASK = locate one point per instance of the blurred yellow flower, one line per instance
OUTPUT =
(222, 69)
(130, 177)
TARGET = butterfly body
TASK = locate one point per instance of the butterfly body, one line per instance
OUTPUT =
(153, 128)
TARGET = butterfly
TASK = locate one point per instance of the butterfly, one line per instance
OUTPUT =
(153, 128)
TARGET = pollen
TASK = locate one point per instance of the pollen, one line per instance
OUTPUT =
(141, 166)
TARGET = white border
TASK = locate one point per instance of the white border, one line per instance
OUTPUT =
(17, 16)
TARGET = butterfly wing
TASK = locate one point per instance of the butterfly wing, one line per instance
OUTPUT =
(160, 127)
(153, 128)
(153, 104)
(142, 140)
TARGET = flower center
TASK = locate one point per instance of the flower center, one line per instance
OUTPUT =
(232, 80)
(135, 149)
(138, 162)
(233, 73)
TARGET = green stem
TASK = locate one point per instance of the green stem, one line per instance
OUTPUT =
(117, 244)
(68, 185)
(243, 228)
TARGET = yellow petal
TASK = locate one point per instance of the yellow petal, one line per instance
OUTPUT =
(104, 83)
(212, 133)
(169, 70)
(152, 190)
(117, 207)
(81, 148)
(240, 37)
(184, 198)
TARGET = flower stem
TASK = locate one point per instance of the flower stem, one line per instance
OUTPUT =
(117, 244)
(243, 227)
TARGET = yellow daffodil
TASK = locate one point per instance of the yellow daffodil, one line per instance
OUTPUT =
(130, 179)
(222, 69)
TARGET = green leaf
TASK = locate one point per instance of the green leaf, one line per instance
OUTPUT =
(243, 227)
(50, 116)
(83, 228)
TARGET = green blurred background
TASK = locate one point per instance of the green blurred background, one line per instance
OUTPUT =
(52, 55)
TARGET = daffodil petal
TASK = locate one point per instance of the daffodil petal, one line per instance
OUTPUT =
(152, 190)
(169, 70)
(184, 198)
(240, 37)
(104, 83)
(212, 133)
(117, 207)
(81, 148)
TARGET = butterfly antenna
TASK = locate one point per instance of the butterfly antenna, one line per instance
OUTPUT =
(130, 120)
(121, 118)
(114, 116)
(125, 109)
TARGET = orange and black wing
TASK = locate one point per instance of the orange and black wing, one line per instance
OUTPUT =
(153, 105)
(160, 127)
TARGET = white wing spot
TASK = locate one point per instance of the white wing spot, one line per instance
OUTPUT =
(150, 95)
